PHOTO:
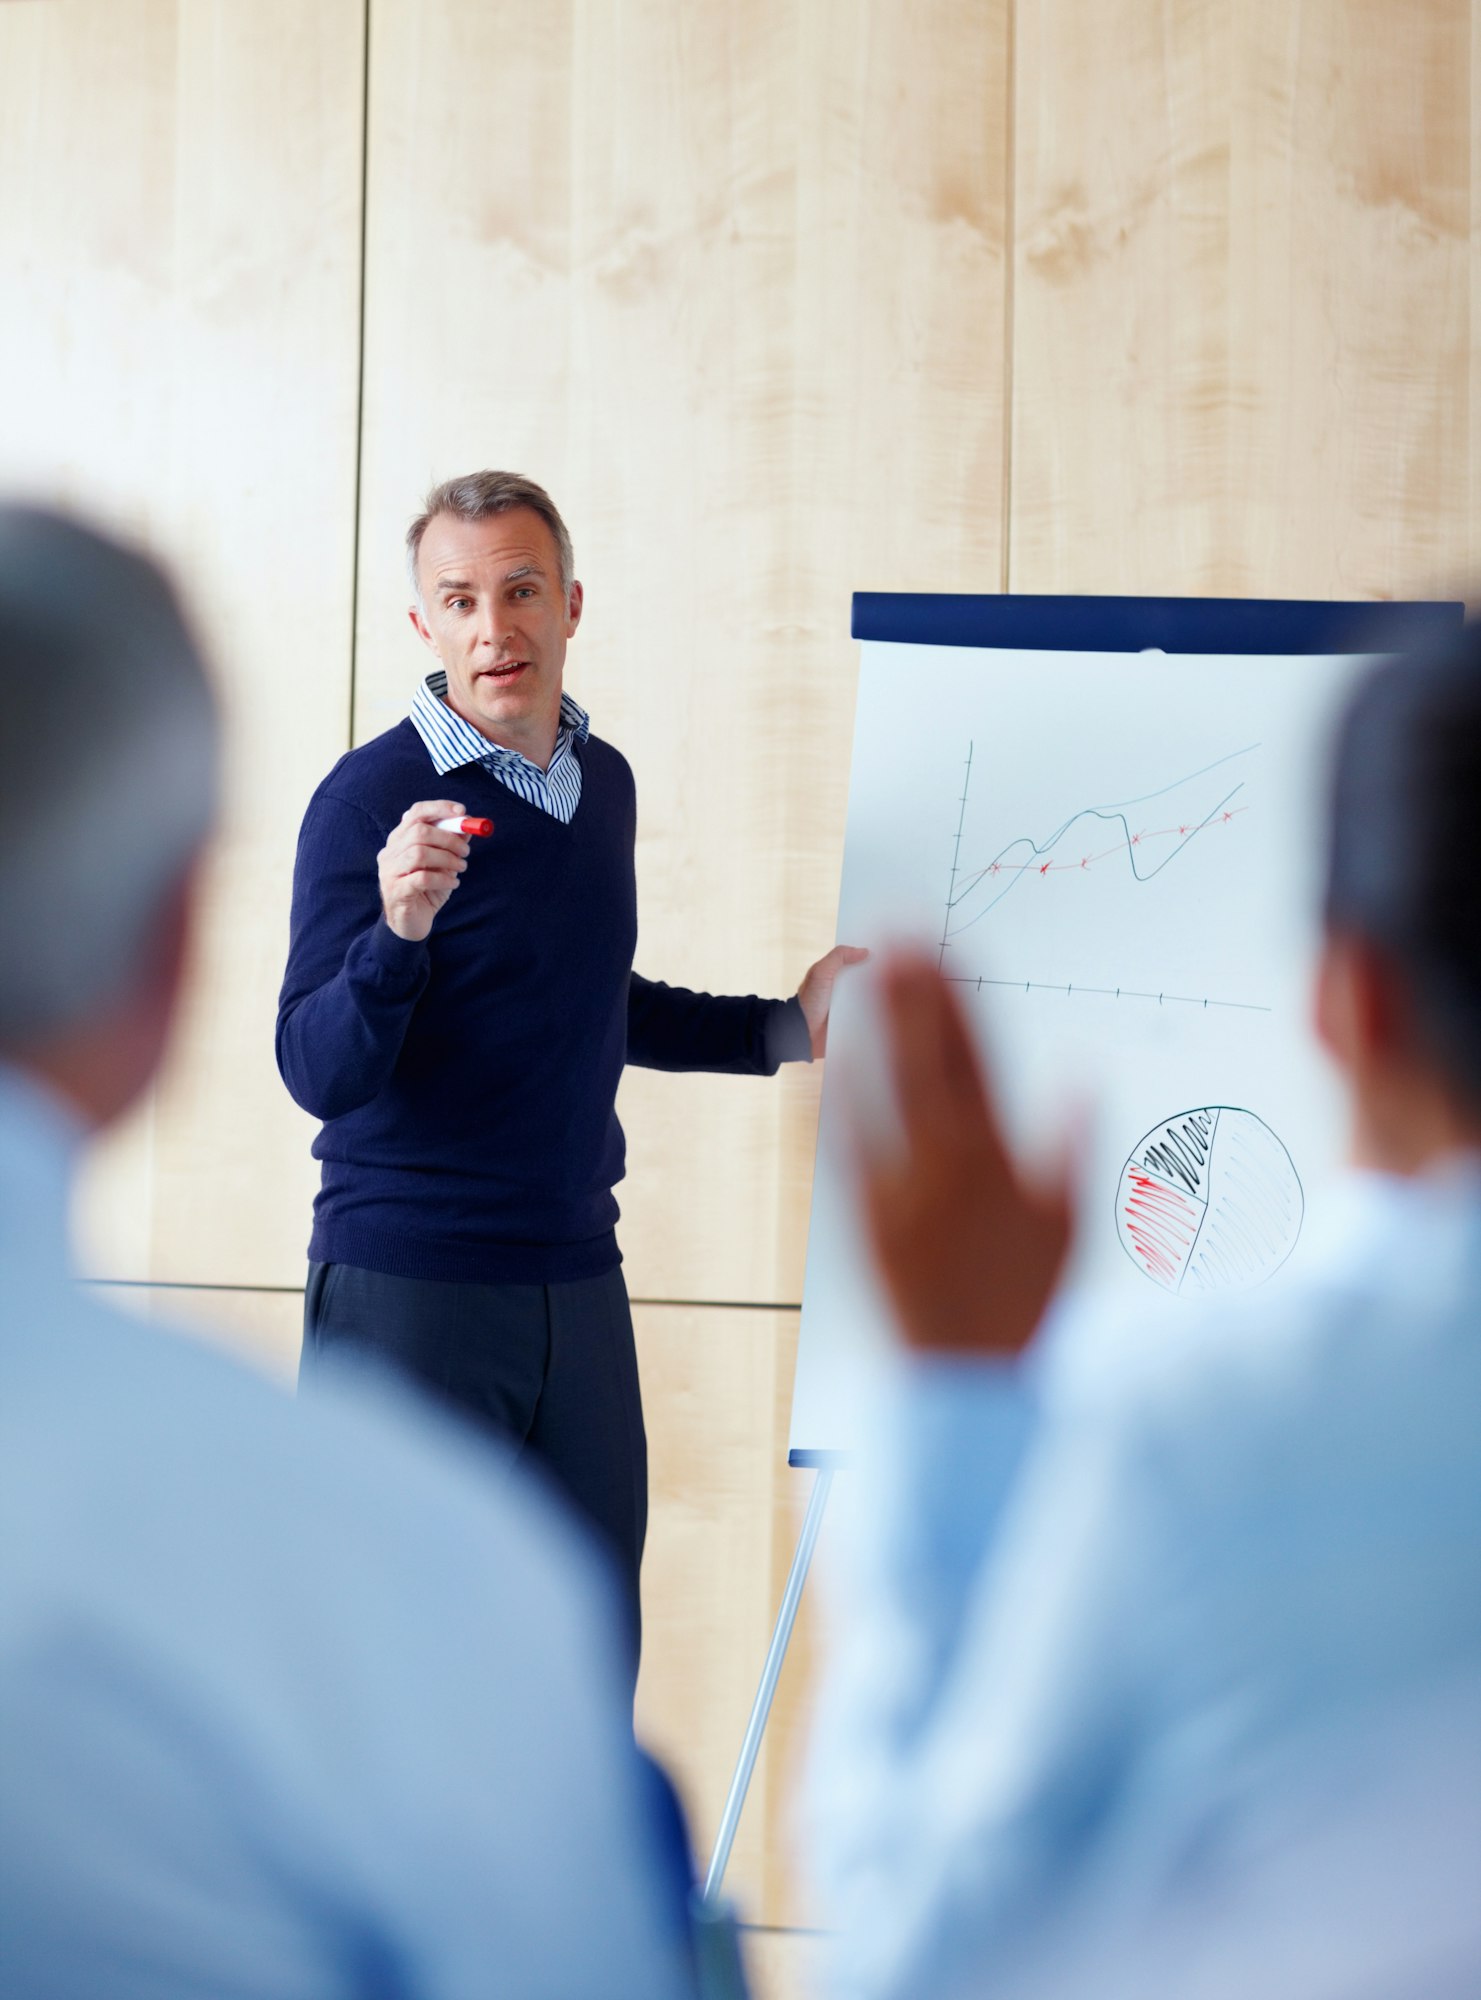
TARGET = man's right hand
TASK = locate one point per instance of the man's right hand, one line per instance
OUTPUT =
(419, 867)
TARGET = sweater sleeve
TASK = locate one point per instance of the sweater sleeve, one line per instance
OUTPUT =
(351, 983)
(670, 1027)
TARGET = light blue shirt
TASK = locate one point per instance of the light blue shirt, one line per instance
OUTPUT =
(1094, 1612)
(298, 1698)
(452, 742)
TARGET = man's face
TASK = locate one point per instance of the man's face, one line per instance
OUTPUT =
(498, 620)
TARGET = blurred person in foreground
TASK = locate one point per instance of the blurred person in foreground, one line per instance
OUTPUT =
(1158, 1669)
(279, 1681)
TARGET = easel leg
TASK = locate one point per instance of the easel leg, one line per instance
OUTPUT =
(761, 1707)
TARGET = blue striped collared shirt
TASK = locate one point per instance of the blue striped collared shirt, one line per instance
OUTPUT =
(451, 742)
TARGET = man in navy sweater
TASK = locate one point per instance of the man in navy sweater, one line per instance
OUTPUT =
(464, 1052)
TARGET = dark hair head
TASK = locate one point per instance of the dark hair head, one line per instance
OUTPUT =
(1405, 863)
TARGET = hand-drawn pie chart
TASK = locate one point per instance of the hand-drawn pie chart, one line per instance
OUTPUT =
(1210, 1201)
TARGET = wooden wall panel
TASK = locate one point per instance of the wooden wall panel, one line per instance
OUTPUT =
(728, 280)
(1243, 332)
(180, 233)
(723, 1522)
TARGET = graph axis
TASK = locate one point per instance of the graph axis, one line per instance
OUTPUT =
(956, 857)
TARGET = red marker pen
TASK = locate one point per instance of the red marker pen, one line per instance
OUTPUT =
(477, 829)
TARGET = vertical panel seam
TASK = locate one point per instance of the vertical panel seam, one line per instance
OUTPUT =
(1010, 259)
(360, 368)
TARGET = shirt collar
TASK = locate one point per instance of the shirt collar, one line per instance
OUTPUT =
(452, 742)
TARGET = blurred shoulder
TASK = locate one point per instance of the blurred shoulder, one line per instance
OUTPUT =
(1359, 1358)
(145, 1448)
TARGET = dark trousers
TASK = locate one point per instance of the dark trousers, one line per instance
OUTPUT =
(552, 1367)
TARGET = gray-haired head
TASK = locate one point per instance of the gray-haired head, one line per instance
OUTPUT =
(477, 496)
(108, 767)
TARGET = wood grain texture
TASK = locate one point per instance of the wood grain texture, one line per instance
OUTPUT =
(1243, 332)
(723, 1521)
(729, 282)
(179, 230)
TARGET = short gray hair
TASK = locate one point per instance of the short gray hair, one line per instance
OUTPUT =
(108, 767)
(477, 496)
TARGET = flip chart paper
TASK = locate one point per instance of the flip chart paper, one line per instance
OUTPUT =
(1118, 859)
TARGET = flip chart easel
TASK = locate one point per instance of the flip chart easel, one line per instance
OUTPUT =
(1224, 628)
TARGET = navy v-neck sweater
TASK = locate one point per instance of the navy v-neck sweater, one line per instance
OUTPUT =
(468, 1083)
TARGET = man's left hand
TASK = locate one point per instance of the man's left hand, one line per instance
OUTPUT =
(816, 991)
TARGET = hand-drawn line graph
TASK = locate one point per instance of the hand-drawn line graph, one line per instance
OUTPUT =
(974, 893)
(1209, 1201)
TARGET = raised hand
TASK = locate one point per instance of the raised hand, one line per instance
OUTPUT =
(969, 1248)
(419, 867)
